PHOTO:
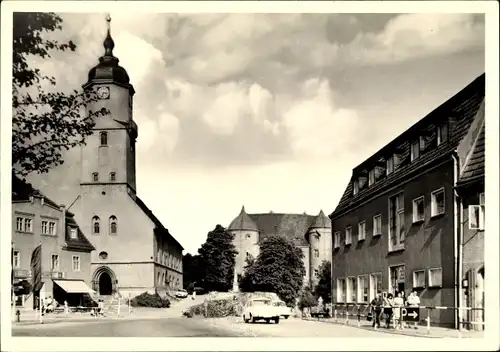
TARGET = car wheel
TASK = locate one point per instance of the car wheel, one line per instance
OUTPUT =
(285, 316)
(268, 321)
(252, 318)
(277, 320)
(245, 319)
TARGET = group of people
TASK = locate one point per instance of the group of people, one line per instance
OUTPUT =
(389, 307)
(48, 305)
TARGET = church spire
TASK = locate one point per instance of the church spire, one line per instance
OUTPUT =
(108, 43)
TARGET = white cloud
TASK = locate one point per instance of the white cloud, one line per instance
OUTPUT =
(410, 36)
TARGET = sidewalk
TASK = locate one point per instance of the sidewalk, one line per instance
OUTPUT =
(433, 332)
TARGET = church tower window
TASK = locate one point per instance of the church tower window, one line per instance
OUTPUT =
(112, 176)
(113, 225)
(104, 138)
(95, 225)
(95, 176)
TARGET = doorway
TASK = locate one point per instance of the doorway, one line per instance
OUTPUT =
(397, 279)
(105, 284)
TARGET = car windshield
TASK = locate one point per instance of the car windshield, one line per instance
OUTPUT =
(261, 302)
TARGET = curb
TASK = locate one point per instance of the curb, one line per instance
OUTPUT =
(395, 332)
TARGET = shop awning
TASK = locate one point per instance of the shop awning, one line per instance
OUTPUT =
(74, 286)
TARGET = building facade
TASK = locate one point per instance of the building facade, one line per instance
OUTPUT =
(135, 252)
(396, 227)
(65, 251)
(310, 233)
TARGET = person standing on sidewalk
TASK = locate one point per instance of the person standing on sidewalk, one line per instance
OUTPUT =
(376, 306)
(398, 304)
(414, 301)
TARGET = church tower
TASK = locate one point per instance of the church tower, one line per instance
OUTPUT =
(108, 158)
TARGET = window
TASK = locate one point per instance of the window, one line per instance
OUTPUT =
(396, 222)
(375, 285)
(158, 278)
(73, 234)
(112, 176)
(442, 134)
(377, 225)
(55, 262)
(351, 290)
(362, 231)
(45, 227)
(336, 240)
(356, 187)
(371, 177)
(52, 228)
(248, 235)
(418, 209)
(437, 202)
(104, 138)
(28, 225)
(341, 290)
(19, 224)
(414, 150)
(316, 253)
(316, 273)
(419, 278)
(96, 225)
(390, 165)
(113, 225)
(477, 215)
(95, 176)
(362, 289)
(435, 277)
(16, 260)
(76, 263)
(348, 235)
(103, 255)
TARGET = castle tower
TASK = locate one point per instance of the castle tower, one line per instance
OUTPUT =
(246, 239)
(319, 237)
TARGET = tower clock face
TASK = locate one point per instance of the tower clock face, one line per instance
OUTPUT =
(103, 92)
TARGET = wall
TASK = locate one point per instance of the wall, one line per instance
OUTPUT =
(168, 260)
(245, 241)
(66, 264)
(427, 245)
(322, 243)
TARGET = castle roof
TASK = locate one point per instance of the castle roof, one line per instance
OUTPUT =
(321, 221)
(243, 222)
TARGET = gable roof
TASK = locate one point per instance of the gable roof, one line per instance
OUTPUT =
(474, 168)
(154, 219)
(458, 112)
(80, 242)
(292, 226)
(321, 221)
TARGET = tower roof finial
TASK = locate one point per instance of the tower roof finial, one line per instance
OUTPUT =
(109, 44)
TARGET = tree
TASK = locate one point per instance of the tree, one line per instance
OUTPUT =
(43, 123)
(192, 268)
(323, 288)
(217, 256)
(246, 281)
(307, 299)
(278, 268)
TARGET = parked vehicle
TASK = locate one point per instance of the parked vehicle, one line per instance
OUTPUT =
(181, 293)
(282, 309)
(260, 309)
(320, 311)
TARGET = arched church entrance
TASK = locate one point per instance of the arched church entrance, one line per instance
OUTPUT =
(104, 281)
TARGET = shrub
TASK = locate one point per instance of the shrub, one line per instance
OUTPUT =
(147, 300)
(217, 308)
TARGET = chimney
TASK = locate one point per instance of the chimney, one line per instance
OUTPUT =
(62, 207)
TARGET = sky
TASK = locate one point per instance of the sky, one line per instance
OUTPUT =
(269, 111)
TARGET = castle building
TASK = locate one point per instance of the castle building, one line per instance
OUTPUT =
(310, 233)
(412, 215)
(134, 251)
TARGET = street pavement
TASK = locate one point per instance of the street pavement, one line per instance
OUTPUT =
(193, 327)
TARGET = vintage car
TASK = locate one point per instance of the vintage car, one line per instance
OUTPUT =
(282, 309)
(260, 309)
(181, 293)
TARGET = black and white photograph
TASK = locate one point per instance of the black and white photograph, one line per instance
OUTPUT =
(251, 171)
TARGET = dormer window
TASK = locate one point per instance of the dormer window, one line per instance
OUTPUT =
(73, 233)
(95, 176)
(415, 150)
(112, 176)
(390, 165)
(371, 177)
(442, 134)
(356, 187)
(104, 138)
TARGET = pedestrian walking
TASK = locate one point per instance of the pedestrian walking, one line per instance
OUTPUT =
(376, 307)
(193, 295)
(388, 309)
(414, 301)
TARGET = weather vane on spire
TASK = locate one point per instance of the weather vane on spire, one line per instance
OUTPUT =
(108, 42)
